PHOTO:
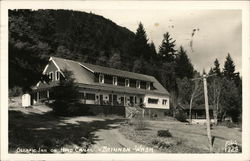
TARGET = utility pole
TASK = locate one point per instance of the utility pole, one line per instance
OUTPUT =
(204, 77)
(207, 113)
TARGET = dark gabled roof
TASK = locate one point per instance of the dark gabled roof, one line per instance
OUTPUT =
(83, 77)
(117, 72)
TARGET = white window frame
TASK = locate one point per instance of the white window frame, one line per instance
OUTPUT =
(115, 80)
(57, 78)
(148, 85)
(127, 85)
(164, 102)
(138, 84)
(155, 99)
(101, 76)
(51, 76)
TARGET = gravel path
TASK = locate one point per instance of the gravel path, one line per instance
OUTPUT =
(112, 141)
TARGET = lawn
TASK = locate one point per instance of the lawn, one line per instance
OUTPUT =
(38, 131)
(185, 138)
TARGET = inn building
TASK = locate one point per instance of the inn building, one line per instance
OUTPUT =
(102, 86)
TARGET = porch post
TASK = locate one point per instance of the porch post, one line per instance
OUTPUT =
(124, 99)
(134, 100)
(37, 96)
(48, 95)
(112, 102)
(84, 95)
(99, 100)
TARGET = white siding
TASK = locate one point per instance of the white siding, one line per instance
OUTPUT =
(159, 104)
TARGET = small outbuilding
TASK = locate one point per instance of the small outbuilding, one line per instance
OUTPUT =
(26, 100)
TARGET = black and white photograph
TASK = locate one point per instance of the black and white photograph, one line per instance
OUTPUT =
(138, 78)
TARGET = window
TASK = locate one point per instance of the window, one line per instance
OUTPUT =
(138, 84)
(152, 101)
(90, 96)
(127, 82)
(148, 85)
(51, 76)
(101, 78)
(164, 102)
(57, 75)
(114, 80)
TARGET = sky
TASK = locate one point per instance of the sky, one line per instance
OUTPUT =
(218, 32)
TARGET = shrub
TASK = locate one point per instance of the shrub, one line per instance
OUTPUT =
(140, 123)
(228, 124)
(179, 141)
(15, 91)
(155, 142)
(181, 116)
(164, 145)
(63, 108)
(164, 133)
(168, 112)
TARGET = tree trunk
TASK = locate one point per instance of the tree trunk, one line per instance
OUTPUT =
(215, 114)
(190, 109)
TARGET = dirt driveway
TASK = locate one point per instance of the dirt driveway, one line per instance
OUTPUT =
(112, 140)
(40, 129)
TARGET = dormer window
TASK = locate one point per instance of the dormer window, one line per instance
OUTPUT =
(148, 86)
(57, 75)
(127, 82)
(138, 84)
(51, 76)
(114, 80)
(101, 78)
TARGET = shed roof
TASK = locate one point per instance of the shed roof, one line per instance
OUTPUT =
(82, 76)
(194, 107)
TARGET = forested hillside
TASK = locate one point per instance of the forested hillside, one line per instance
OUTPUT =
(35, 35)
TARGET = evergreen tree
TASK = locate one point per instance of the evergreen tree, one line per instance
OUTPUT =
(140, 45)
(152, 50)
(184, 68)
(166, 50)
(230, 100)
(65, 94)
(216, 68)
(229, 68)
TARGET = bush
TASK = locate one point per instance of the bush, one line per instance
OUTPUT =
(164, 133)
(228, 124)
(63, 108)
(181, 116)
(168, 112)
(140, 123)
(15, 91)
(164, 145)
(161, 144)
(155, 142)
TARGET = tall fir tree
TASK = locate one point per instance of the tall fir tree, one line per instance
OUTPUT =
(229, 68)
(216, 68)
(153, 52)
(166, 49)
(184, 68)
(140, 45)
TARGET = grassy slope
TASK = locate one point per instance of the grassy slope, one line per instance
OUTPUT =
(186, 138)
